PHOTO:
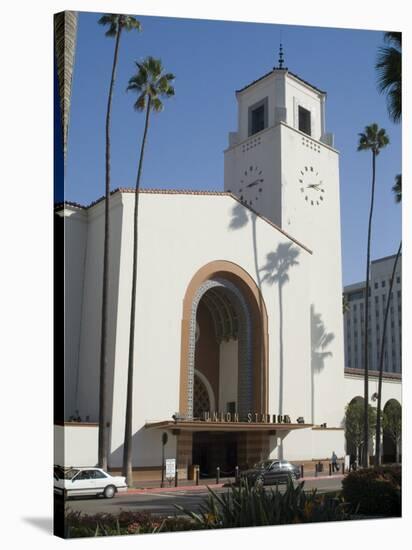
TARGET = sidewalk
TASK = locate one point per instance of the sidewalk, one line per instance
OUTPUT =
(189, 485)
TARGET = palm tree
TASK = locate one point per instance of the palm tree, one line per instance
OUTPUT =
(345, 304)
(117, 23)
(398, 197)
(372, 139)
(152, 85)
(389, 69)
(65, 34)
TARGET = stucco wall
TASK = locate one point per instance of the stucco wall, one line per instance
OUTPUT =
(75, 242)
(76, 445)
(178, 235)
(354, 387)
(319, 225)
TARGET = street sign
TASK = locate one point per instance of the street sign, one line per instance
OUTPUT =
(170, 467)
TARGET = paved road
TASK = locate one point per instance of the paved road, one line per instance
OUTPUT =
(163, 502)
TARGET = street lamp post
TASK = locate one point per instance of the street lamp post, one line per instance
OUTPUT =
(164, 441)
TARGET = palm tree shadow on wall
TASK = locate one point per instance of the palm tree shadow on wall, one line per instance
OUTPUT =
(276, 272)
(319, 341)
(241, 214)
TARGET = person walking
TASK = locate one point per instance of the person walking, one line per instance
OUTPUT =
(335, 467)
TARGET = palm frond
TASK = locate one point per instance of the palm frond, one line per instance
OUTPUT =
(130, 23)
(149, 81)
(140, 104)
(108, 19)
(373, 138)
(393, 37)
(170, 91)
(111, 19)
(389, 73)
(156, 105)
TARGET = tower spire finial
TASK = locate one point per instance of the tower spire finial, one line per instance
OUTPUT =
(280, 56)
(280, 60)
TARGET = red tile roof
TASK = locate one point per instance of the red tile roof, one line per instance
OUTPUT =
(61, 205)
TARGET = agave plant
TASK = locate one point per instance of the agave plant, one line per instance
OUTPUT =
(247, 506)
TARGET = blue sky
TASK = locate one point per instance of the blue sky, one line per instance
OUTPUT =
(211, 59)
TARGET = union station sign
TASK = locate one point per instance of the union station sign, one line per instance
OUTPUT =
(251, 417)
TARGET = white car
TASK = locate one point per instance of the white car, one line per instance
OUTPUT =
(87, 481)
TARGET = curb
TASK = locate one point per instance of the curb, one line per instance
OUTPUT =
(171, 489)
(202, 488)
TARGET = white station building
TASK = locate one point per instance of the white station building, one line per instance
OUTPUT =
(239, 325)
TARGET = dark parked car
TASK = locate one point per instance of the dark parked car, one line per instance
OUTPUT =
(269, 472)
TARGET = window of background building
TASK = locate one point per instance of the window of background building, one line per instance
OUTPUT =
(383, 283)
(399, 293)
(398, 279)
(304, 120)
(376, 285)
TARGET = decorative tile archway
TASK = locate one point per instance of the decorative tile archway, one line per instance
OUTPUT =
(236, 281)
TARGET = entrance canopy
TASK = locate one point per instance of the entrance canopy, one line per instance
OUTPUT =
(205, 426)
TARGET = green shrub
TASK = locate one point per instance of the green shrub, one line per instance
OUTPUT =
(374, 491)
(78, 524)
(247, 506)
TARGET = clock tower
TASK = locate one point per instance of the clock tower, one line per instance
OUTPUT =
(282, 164)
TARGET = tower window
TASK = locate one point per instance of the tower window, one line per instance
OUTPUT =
(258, 116)
(304, 121)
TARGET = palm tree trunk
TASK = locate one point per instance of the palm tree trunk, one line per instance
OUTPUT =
(365, 460)
(103, 413)
(379, 406)
(128, 444)
(65, 34)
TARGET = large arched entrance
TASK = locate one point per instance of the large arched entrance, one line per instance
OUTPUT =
(354, 429)
(392, 430)
(223, 360)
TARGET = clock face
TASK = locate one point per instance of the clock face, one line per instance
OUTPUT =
(250, 184)
(311, 186)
